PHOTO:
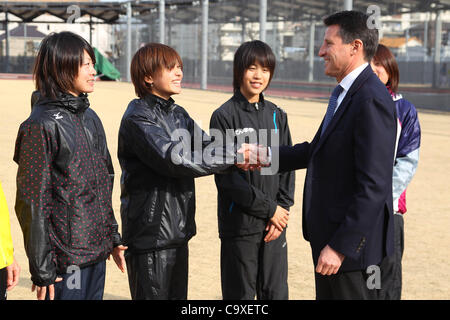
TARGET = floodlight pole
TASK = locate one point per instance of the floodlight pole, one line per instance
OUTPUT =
(425, 39)
(204, 48)
(90, 31)
(312, 31)
(262, 19)
(406, 44)
(348, 4)
(162, 18)
(128, 40)
(437, 49)
(7, 41)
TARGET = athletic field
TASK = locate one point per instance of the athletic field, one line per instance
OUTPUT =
(426, 262)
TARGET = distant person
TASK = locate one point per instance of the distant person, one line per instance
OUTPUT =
(160, 158)
(253, 258)
(65, 177)
(9, 268)
(443, 75)
(406, 160)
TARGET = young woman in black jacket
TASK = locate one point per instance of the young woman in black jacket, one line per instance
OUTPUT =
(65, 177)
(253, 250)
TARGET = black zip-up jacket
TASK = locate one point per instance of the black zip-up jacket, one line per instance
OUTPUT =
(64, 187)
(158, 171)
(248, 199)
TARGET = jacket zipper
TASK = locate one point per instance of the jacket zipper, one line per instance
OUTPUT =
(93, 171)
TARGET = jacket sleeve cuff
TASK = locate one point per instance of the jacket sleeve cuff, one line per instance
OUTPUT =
(117, 241)
(44, 282)
(116, 238)
(272, 208)
(351, 245)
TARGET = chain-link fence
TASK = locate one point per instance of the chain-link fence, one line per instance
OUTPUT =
(294, 36)
(411, 37)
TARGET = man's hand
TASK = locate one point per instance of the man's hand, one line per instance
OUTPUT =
(329, 261)
(13, 272)
(280, 218)
(255, 156)
(119, 257)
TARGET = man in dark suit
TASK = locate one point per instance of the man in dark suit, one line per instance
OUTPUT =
(347, 199)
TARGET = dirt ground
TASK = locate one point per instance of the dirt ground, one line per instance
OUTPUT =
(427, 255)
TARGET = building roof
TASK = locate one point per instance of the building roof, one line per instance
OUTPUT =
(189, 11)
(19, 32)
(399, 42)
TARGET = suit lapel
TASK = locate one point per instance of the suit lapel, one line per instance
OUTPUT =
(359, 81)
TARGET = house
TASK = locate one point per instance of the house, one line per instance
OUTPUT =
(23, 41)
(400, 47)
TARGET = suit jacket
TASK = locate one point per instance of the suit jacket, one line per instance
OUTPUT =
(347, 198)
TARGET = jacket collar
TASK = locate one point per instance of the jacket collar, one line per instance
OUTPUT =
(75, 104)
(153, 100)
(63, 100)
(243, 103)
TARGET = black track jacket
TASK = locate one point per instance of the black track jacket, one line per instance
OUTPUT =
(248, 199)
(158, 190)
(64, 187)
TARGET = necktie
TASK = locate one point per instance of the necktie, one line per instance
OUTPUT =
(331, 107)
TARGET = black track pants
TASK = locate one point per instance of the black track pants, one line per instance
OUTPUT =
(391, 268)
(250, 267)
(158, 275)
(3, 275)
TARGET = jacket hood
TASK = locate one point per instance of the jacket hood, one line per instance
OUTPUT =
(65, 100)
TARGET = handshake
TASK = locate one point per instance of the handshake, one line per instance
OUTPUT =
(255, 157)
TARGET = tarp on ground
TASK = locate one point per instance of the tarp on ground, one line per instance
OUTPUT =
(105, 68)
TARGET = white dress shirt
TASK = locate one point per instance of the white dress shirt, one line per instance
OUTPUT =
(347, 82)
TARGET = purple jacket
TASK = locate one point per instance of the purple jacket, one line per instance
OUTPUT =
(407, 156)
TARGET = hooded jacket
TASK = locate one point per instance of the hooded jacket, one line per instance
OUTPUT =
(407, 157)
(161, 150)
(64, 187)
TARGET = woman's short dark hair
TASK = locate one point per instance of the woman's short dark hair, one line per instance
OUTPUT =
(58, 61)
(385, 57)
(149, 61)
(247, 54)
(352, 26)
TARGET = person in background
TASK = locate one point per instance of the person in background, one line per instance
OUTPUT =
(9, 268)
(406, 160)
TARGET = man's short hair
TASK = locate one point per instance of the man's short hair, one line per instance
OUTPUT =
(352, 26)
(247, 54)
(149, 61)
(58, 62)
